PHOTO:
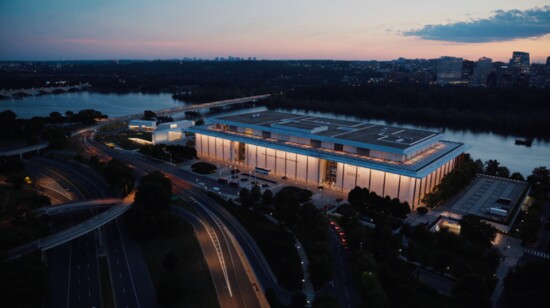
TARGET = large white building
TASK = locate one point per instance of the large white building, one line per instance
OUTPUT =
(391, 161)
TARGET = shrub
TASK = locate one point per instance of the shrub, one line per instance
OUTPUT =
(422, 210)
(203, 168)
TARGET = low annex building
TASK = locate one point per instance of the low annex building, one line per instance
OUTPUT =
(145, 125)
(391, 161)
(171, 132)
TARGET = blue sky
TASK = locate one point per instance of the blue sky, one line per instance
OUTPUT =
(322, 29)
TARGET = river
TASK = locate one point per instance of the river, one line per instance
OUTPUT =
(114, 105)
(483, 145)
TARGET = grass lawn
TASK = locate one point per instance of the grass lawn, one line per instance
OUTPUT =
(199, 288)
(107, 299)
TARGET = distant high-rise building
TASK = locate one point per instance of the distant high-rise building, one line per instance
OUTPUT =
(482, 69)
(467, 69)
(548, 64)
(521, 61)
(449, 70)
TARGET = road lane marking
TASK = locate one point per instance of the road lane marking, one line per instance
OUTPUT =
(127, 264)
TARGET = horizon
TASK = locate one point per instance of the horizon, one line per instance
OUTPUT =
(238, 59)
(62, 30)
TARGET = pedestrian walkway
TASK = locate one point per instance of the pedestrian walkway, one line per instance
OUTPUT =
(537, 253)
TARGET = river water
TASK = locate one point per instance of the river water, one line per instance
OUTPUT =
(483, 145)
(114, 105)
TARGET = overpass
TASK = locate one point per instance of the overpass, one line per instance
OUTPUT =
(71, 233)
(20, 151)
(76, 206)
(221, 103)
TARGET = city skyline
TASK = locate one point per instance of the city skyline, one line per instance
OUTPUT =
(355, 30)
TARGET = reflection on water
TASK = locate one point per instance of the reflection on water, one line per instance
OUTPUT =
(114, 105)
(483, 145)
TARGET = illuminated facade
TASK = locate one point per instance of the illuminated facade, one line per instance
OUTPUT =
(391, 161)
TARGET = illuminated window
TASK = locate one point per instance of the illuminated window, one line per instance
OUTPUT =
(248, 131)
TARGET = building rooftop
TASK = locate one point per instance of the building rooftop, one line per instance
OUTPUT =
(488, 192)
(354, 131)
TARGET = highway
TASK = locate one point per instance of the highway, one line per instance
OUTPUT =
(74, 279)
(225, 227)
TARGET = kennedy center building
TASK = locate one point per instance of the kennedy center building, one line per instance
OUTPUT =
(391, 161)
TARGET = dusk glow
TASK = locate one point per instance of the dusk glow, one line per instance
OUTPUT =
(361, 30)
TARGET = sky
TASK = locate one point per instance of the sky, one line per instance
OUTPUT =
(276, 29)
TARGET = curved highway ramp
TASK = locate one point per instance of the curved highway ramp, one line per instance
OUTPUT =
(73, 232)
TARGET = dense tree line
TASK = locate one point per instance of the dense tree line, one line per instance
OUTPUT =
(510, 111)
(24, 282)
(383, 279)
(329, 86)
(19, 198)
(528, 285)
(149, 216)
(44, 128)
(454, 181)
(274, 240)
(118, 175)
(366, 202)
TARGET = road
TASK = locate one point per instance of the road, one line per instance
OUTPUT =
(74, 278)
(236, 269)
(343, 286)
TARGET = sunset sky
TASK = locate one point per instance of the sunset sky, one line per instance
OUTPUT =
(282, 29)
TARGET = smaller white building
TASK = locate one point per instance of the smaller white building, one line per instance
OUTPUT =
(171, 132)
(145, 125)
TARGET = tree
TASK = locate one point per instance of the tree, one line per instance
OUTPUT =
(540, 176)
(56, 137)
(503, 172)
(267, 197)
(256, 193)
(69, 114)
(170, 261)
(7, 116)
(56, 117)
(528, 285)
(119, 176)
(517, 176)
(24, 282)
(471, 291)
(148, 115)
(170, 290)
(325, 301)
(491, 167)
(371, 290)
(475, 230)
(154, 193)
